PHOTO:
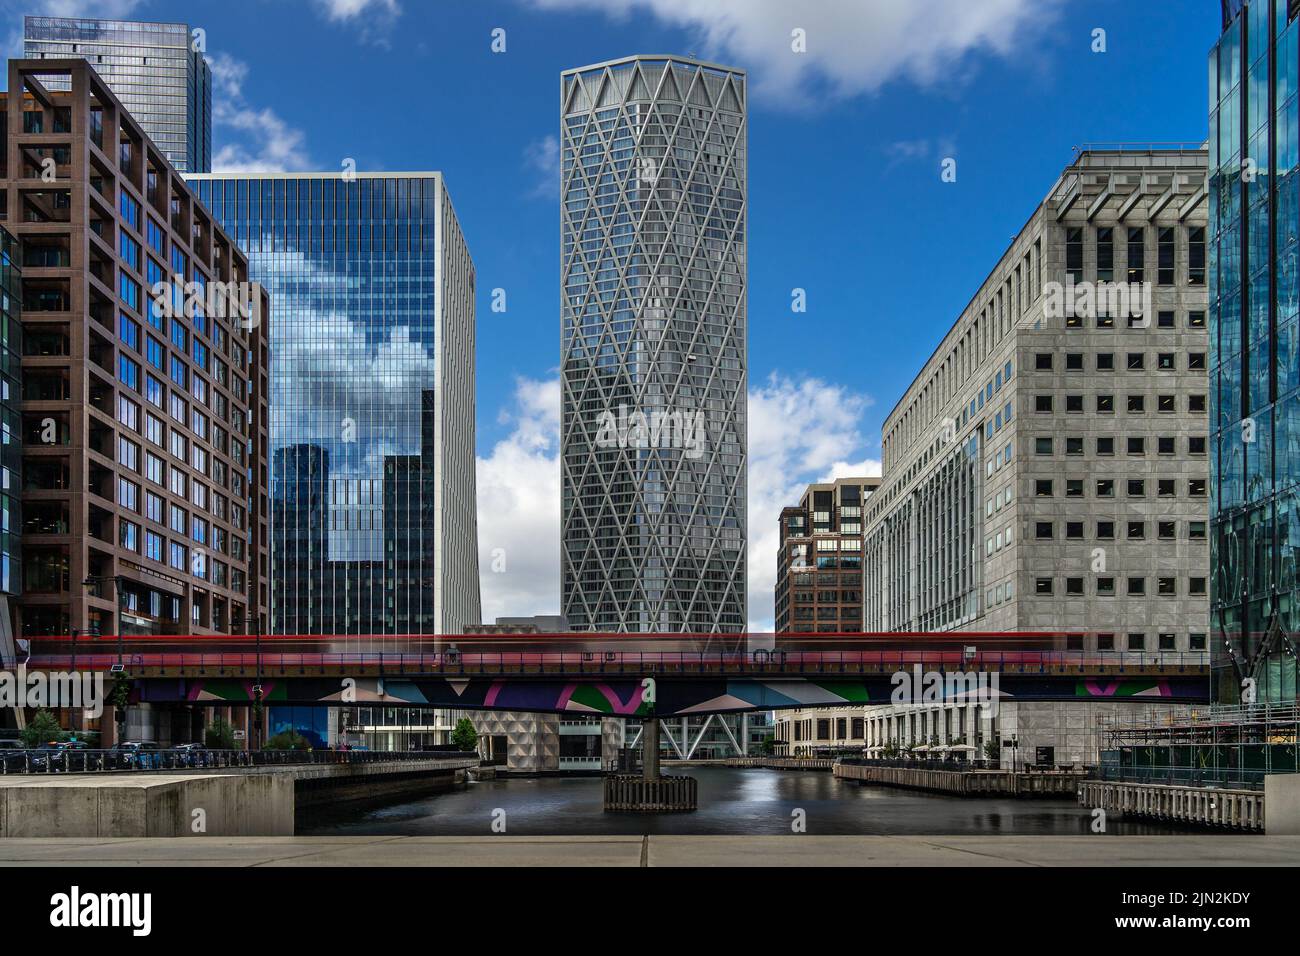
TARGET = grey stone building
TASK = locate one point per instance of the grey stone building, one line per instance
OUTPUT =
(1047, 468)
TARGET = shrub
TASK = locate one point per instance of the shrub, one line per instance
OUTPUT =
(219, 735)
(287, 740)
(42, 728)
(465, 736)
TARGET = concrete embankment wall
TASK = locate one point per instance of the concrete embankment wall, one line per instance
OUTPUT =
(246, 801)
(365, 785)
(967, 783)
(147, 805)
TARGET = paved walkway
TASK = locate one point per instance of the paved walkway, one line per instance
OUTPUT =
(758, 851)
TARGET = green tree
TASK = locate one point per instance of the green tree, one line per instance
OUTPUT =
(992, 750)
(41, 728)
(769, 745)
(465, 737)
(219, 735)
(287, 740)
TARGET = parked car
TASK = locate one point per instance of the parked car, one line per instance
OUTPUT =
(189, 755)
(49, 756)
(11, 753)
(135, 755)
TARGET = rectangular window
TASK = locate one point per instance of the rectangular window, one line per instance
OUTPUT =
(1074, 253)
(130, 210)
(1105, 254)
(129, 331)
(1196, 255)
(1165, 255)
(128, 372)
(129, 250)
(1136, 254)
(129, 290)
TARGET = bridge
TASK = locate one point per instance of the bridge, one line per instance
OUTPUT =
(616, 675)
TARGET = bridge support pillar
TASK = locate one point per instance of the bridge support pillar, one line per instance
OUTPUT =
(650, 749)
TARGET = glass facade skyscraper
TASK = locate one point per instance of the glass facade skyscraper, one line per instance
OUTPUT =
(373, 524)
(152, 68)
(1255, 351)
(653, 346)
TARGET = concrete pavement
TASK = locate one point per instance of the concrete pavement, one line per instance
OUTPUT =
(633, 851)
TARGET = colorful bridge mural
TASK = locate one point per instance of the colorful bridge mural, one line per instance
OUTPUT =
(664, 696)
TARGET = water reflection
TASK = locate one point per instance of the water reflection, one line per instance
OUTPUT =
(732, 801)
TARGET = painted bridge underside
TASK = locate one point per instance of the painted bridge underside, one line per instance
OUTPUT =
(668, 696)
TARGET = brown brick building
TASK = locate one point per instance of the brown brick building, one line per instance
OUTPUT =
(144, 417)
(819, 562)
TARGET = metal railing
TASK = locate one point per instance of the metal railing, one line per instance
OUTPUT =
(640, 661)
(86, 760)
(1229, 778)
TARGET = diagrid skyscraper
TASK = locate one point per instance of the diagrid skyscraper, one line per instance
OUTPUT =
(653, 363)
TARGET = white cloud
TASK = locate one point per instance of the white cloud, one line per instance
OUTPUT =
(263, 141)
(918, 150)
(371, 20)
(519, 508)
(800, 431)
(84, 8)
(542, 156)
(342, 10)
(853, 46)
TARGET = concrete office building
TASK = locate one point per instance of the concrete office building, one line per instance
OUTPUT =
(144, 427)
(1048, 468)
(653, 346)
(819, 562)
(156, 70)
(804, 732)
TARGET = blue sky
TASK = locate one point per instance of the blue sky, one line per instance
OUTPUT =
(845, 195)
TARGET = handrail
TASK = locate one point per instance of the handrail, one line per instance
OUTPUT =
(497, 662)
(89, 760)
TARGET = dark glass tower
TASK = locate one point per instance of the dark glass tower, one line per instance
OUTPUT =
(152, 68)
(373, 525)
(1255, 351)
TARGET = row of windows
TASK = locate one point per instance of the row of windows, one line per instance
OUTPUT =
(1105, 530)
(1132, 268)
(1135, 404)
(1134, 587)
(1046, 487)
(1105, 445)
(1105, 361)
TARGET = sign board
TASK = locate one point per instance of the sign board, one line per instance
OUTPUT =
(239, 735)
(1045, 755)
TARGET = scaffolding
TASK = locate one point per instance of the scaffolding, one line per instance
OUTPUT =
(1216, 746)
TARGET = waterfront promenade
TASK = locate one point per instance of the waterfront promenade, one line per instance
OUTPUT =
(637, 851)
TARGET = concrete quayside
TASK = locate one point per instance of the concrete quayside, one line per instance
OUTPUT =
(245, 801)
